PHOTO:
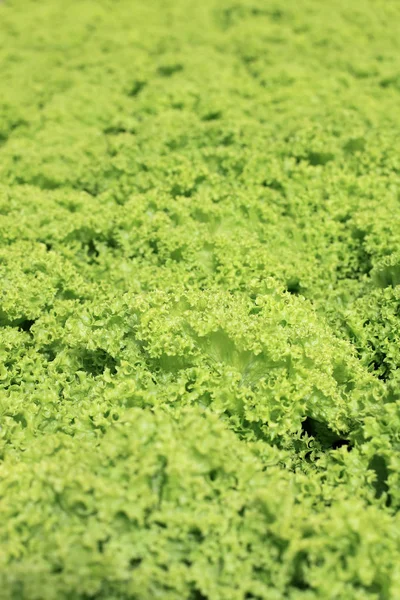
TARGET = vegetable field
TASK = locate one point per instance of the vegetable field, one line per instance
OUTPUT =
(199, 300)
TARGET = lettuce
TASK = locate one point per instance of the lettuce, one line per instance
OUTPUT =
(199, 275)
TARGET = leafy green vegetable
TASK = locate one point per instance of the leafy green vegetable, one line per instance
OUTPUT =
(199, 300)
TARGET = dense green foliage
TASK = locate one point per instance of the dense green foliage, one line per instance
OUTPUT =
(199, 300)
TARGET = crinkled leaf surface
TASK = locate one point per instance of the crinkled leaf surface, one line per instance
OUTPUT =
(199, 300)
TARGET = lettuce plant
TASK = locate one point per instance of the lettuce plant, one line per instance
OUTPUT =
(199, 300)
